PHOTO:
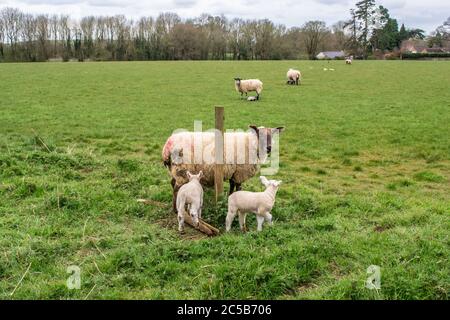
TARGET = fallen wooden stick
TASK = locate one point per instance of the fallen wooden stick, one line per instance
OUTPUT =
(203, 226)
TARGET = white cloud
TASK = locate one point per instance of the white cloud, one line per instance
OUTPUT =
(414, 13)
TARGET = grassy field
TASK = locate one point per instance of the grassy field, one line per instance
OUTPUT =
(365, 161)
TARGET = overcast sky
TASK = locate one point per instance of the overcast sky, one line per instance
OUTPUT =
(424, 14)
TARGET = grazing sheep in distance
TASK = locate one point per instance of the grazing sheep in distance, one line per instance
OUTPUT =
(252, 98)
(260, 203)
(293, 76)
(243, 154)
(190, 194)
(349, 60)
(245, 86)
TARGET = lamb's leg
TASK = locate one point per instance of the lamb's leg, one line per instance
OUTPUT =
(230, 217)
(180, 217)
(268, 218)
(238, 186)
(260, 220)
(242, 216)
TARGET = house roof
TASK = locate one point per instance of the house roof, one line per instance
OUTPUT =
(434, 50)
(332, 54)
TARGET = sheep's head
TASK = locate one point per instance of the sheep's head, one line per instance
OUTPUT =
(237, 81)
(265, 138)
(270, 183)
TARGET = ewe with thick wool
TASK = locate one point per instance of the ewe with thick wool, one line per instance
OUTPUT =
(244, 152)
(246, 86)
(190, 194)
(293, 76)
(260, 203)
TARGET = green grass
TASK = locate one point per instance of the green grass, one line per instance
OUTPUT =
(365, 161)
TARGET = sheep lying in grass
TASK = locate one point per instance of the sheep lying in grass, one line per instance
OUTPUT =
(293, 76)
(260, 203)
(244, 152)
(349, 60)
(190, 194)
(245, 86)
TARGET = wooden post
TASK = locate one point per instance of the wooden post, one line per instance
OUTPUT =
(219, 149)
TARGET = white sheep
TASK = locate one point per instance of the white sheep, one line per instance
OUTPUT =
(245, 86)
(190, 194)
(349, 60)
(293, 76)
(243, 154)
(260, 203)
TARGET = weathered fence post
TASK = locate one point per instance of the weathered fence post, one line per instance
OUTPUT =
(219, 157)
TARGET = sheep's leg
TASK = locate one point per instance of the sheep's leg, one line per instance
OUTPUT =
(231, 186)
(238, 186)
(296, 82)
(174, 197)
(260, 220)
(242, 216)
(230, 217)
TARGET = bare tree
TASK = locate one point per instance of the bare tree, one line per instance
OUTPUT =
(313, 34)
(2, 38)
(87, 25)
(43, 34)
(54, 33)
(12, 21)
(29, 36)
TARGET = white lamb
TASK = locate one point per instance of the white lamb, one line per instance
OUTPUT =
(245, 86)
(293, 76)
(190, 194)
(260, 203)
(349, 60)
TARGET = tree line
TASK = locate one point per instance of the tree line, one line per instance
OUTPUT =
(27, 37)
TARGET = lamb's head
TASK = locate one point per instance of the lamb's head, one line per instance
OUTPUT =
(265, 136)
(196, 177)
(237, 81)
(270, 183)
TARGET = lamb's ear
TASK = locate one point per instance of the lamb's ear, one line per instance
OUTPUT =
(189, 175)
(279, 129)
(264, 181)
(200, 174)
(254, 128)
